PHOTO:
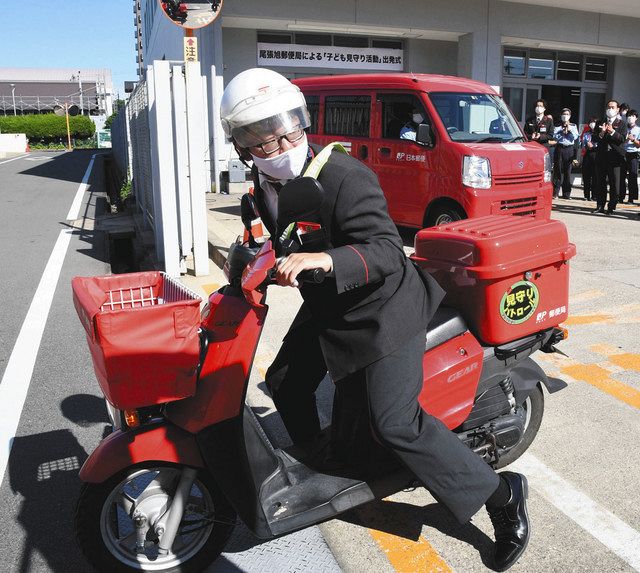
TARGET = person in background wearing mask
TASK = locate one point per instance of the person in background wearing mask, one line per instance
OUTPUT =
(539, 127)
(624, 110)
(589, 144)
(410, 128)
(567, 137)
(610, 157)
(358, 324)
(499, 126)
(632, 149)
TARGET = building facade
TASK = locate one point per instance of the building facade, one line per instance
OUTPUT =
(573, 53)
(41, 90)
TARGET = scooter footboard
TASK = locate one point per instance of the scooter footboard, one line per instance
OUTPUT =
(162, 443)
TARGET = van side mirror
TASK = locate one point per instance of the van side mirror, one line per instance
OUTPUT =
(423, 134)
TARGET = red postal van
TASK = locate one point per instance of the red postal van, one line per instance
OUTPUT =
(468, 157)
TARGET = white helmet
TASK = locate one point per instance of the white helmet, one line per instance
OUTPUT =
(258, 104)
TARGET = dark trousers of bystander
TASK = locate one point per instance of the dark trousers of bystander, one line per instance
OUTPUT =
(455, 475)
(610, 168)
(631, 176)
(563, 161)
(589, 175)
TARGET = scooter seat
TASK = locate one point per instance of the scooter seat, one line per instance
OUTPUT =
(447, 323)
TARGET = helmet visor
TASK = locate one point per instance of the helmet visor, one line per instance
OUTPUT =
(272, 127)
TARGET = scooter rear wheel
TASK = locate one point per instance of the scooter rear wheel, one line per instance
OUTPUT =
(106, 531)
(534, 409)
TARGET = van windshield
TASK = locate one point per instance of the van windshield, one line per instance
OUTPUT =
(476, 118)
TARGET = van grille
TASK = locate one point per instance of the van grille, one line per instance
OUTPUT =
(524, 206)
(519, 179)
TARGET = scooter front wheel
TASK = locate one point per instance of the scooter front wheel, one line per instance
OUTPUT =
(119, 522)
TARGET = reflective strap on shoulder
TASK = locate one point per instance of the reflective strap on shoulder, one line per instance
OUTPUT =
(320, 160)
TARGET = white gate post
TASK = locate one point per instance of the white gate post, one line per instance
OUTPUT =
(181, 158)
(162, 143)
(197, 177)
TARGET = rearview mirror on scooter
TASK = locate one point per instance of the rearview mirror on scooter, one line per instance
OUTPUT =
(300, 200)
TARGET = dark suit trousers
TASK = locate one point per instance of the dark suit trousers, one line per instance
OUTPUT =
(454, 475)
(564, 157)
(589, 175)
(609, 170)
(631, 171)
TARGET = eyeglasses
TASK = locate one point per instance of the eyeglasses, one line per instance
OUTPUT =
(271, 146)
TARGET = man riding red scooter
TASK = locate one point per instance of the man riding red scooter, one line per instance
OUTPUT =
(367, 324)
(187, 454)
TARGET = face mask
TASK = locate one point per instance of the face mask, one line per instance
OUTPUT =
(592, 125)
(565, 117)
(539, 110)
(611, 113)
(631, 120)
(417, 118)
(287, 165)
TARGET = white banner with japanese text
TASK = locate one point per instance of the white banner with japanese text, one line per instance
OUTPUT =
(297, 55)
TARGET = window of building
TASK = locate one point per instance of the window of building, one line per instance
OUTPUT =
(273, 38)
(313, 39)
(389, 44)
(347, 115)
(351, 41)
(596, 69)
(514, 62)
(541, 65)
(313, 105)
(569, 67)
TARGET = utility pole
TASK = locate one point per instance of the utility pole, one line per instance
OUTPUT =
(13, 95)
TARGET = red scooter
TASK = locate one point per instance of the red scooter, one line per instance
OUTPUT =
(187, 454)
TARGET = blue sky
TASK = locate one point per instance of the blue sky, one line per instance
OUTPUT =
(70, 34)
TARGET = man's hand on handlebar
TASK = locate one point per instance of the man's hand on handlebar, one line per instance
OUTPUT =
(290, 267)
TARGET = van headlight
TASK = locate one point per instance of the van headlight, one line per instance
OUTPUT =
(547, 168)
(476, 172)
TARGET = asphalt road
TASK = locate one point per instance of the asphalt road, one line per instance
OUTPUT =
(584, 466)
(63, 416)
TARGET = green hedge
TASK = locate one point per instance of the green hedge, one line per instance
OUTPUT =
(48, 127)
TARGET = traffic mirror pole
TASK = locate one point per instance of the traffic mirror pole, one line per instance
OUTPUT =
(66, 110)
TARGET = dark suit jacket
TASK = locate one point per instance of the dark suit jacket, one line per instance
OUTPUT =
(532, 126)
(377, 300)
(611, 146)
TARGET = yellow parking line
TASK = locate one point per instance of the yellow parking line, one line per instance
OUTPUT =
(408, 556)
(601, 379)
(628, 361)
(587, 319)
(209, 288)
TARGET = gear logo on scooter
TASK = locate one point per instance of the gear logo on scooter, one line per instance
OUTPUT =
(519, 302)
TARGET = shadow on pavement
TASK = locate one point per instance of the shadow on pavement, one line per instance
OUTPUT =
(406, 520)
(227, 209)
(588, 208)
(66, 166)
(43, 470)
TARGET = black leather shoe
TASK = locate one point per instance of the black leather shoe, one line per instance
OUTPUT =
(610, 211)
(599, 210)
(511, 523)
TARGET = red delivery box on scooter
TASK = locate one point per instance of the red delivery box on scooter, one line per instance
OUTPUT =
(508, 276)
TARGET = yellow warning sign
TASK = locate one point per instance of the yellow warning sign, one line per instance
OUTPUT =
(190, 49)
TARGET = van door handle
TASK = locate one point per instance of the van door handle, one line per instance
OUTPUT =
(363, 152)
(384, 150)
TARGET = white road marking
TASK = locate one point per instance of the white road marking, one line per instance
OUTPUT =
(7, 161)
(17, 377)
(74, 211)
(610, 530)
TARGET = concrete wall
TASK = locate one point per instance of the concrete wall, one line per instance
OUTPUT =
(12, 143)
(431, 57)
(626, 81)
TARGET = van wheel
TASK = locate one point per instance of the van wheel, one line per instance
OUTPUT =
(445, 214)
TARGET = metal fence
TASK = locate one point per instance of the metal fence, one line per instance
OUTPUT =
(159, 141)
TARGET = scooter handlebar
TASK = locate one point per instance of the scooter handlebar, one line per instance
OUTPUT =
(315, 276)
